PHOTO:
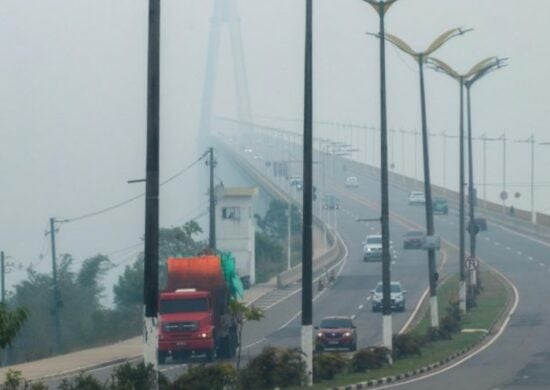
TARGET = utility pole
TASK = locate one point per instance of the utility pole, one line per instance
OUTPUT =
(289, 235)
(151, 266)
(307, 228)
(462, 249)
(56, 297)
(3, 271)
(212, 236)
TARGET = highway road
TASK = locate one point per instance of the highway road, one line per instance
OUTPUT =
(520, 357)
(517, 360)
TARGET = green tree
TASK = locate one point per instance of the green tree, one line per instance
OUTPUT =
(243, 313)
(275, 221)
(11, 322)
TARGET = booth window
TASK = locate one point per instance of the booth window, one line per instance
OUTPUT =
(233, 213)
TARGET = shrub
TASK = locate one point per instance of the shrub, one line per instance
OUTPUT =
(136, 377)
(218, 376)
(81, 382)
(406, 344)
(14, 381)
(274, 368)
(327, 365)
(369, 359)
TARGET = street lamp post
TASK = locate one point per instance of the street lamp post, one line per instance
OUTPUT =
(531, 140)
(381, 8)
(421, 58)
(482, 68)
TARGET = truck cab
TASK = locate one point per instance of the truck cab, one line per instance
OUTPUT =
(187, 322)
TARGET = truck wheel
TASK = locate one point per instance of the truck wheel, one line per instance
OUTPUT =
(210, 355)
(161, 357)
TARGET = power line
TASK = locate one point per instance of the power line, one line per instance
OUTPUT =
(123, 203)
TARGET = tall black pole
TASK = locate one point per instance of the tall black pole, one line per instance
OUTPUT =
(385, 225)
(428, 194)
(150, 271)
(471, 196)
(56, 298)
(462, 251)
(3, 270)
(307, 251)
(212, 235)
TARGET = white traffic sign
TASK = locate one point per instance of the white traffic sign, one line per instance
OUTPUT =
(472, 263)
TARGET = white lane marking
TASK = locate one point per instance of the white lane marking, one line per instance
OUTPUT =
(262, 340)
(508, 248)
(393, 262)
(369, 298)
(484, 347)
(542, 264)
(422, 297)
(487, 239)
(546, 244)
(497, 243)
(345, 257)
(519, 253)
(530, 258)
(361, 306)
(353, 316)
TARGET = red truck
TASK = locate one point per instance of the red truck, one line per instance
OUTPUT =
(194, 315)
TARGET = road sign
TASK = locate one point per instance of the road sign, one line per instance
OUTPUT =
(472, 263)
(503, 195)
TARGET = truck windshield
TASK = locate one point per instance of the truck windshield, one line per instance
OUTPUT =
(183, 305)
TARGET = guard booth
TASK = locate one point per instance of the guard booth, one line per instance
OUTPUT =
(235, 228)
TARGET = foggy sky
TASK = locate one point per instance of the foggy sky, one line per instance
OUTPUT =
(73, 99)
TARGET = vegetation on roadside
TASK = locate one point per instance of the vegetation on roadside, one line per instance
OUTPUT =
(272, 240)
(284, 368)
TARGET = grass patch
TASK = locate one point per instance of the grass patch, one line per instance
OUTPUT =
(490, 304)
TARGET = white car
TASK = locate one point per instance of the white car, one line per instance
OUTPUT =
(397, 297)
(417, 198)
(351, 181)
(372, 248)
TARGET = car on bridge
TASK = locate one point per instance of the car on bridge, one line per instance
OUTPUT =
(416, 198)
(413, 239)
(372, 248)
(330, 202)
(338, 332)
(397, 297)
(352, 182)
(440, 205)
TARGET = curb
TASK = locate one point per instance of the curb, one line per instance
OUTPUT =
(506, 311)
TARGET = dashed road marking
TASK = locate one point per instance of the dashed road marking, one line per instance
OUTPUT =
(369, 298)
(361, 306)
(519, 253)
(487, 239)
(529, 258)
(508, 248)
(542, 264)
(353, 316)
(497, 243)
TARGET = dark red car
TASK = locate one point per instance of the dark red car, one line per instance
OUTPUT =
(337, 333)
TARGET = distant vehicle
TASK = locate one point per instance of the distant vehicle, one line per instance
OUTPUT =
(372, 248)
(296, 181)
(413, 239)
(330, 202)
(417, 198)
(397, 297)
(480, 223)
(336, 332)
(258, 156)
(247, 150)
(352, 182)
(440, 206)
